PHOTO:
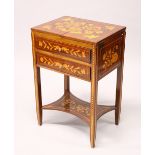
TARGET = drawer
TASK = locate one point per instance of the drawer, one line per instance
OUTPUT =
(64, 66)
(62, 48)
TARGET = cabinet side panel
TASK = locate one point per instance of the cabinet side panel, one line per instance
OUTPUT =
(109, 56)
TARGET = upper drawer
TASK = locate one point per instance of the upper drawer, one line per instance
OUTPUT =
(66, 49)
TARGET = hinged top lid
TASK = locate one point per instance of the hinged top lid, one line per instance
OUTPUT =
(80, 29)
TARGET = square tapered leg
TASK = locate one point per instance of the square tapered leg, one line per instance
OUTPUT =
(118, 94)
(38, 96)
(93, 102)
(119, 85)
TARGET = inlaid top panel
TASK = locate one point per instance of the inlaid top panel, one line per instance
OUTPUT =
(81, 29)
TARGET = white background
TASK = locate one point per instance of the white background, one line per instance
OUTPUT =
(62, 133)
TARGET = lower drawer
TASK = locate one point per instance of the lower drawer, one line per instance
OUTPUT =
(64, 66)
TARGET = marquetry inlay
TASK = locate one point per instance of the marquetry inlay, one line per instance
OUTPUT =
(88, 30)
(71, 68)
(110, 57)
(80, 27)
(62, 48)
(72, 105)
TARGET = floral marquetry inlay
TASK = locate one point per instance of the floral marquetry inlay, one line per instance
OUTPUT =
(70, 25)
(63, 66)
(86, 29)
(110, 57)
(72, 105)
(63, 48)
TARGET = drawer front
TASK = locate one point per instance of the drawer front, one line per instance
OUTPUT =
(64, 66)
(109, 56)
(65, 49)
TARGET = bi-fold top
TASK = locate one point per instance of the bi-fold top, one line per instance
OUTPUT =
(80, 29)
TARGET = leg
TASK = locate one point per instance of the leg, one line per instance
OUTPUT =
(66, 84)
(118, 94)
(119, 84)
(37, 82)
(93, 120)
(38, 96)
(93, 103)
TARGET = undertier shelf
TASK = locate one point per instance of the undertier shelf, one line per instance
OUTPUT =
(73, 105)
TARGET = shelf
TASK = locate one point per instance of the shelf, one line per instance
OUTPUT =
(71, 104)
